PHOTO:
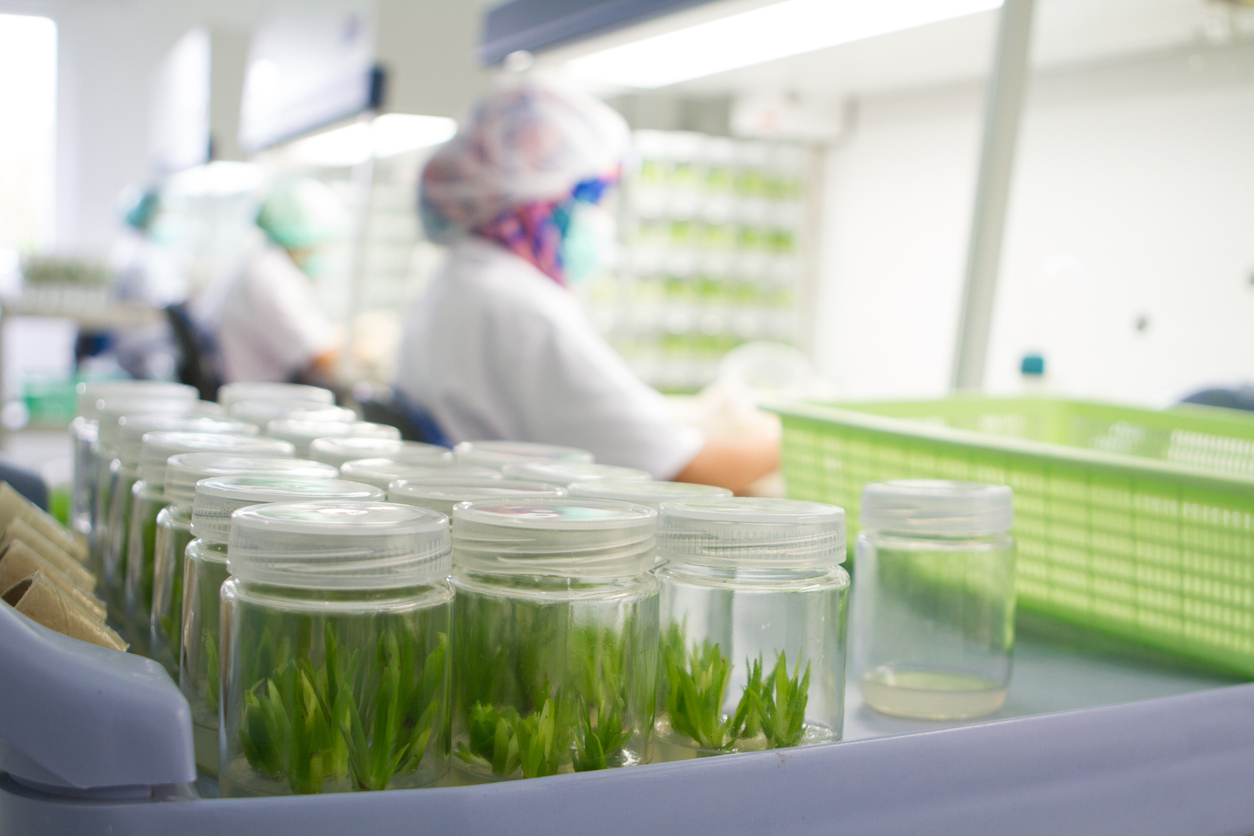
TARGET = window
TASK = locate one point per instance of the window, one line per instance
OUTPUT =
(28, 101)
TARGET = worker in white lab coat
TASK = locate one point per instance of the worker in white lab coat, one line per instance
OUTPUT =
(266, 319)
(498, 347)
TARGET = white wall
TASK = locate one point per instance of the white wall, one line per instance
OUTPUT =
(1133, 198)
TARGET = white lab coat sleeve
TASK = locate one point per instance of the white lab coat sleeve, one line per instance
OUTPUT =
(286, 325)
(568, 386)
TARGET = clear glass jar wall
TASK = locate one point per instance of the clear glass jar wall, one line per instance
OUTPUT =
(174, 531)
(336, 679)
(555, 621)
(204, 572)
(935, 598)
(753, 615)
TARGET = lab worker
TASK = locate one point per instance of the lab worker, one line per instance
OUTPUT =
(498, 347)
(266, 320)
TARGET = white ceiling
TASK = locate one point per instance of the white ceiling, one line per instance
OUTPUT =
(1065, 32)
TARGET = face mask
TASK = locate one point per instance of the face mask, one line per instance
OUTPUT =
(313, 262)
(588, 238)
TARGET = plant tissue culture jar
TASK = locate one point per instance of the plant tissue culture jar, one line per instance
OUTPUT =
(753, 615)
(555, 624)
(935, 598)
(335, 625)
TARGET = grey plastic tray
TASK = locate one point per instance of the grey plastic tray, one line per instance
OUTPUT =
(1166, 764)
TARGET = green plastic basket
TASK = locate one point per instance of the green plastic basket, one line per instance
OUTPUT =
(1128, 521)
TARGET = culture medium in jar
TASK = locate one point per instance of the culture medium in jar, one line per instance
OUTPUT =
(149, 500)
(935, 598)
(174, 531)
(563, 473)
(303, 433)
(555, 621)
(336, 624)
(337, 451)
(497, 454)
(205, 570)
(122, 484)
(443, 494)
(753, 616)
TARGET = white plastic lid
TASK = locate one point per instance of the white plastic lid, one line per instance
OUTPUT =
(442, 494)
(112, 411)
(336, 545)
(497, 454)
(336, 451)
(217, 497)
(649, 493)
(93, 394)
(751, 533)
(160, 445)
(263, 412)
(568, 473)
(135, 427)
(233, 393)
(383, 472)
(937, 506)
(562, 537)
(184, 470)
(302, 433)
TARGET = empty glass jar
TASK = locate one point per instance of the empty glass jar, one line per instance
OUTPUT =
(555, 625)
(174, 532)
(205, 570)
(753, 617)
(336, 623)
(935, 598)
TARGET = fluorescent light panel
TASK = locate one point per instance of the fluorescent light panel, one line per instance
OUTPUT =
(787, 28)
(386, 136)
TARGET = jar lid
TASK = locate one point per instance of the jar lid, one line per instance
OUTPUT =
(135, 427)
(233, 393)
(336, 451)
(497, 454)
(302, 433)
(217, 497)
(184, 470)
(562, 537)
(159, 446)
(751, 533)
(648, 493)
(93, 394)
(937, 506)
(263, 412)
(383, 472)
(568, 473)
(113, 410)
(339, 545)
(442, 494)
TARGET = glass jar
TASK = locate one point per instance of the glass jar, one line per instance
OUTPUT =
(566, 473)
(555, 660)
(935, 598)
(204, 572)
(233, 393)
(337, 451)
(173, 529)
(303, 433)
(122, 500)
(753, 614)
(442, 494)
(112, 413)
(496, 454)
(262, 412)
(642, 492)
(383, 472)
(336, 623)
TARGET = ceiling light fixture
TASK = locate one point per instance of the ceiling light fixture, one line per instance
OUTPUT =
(786, 28)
